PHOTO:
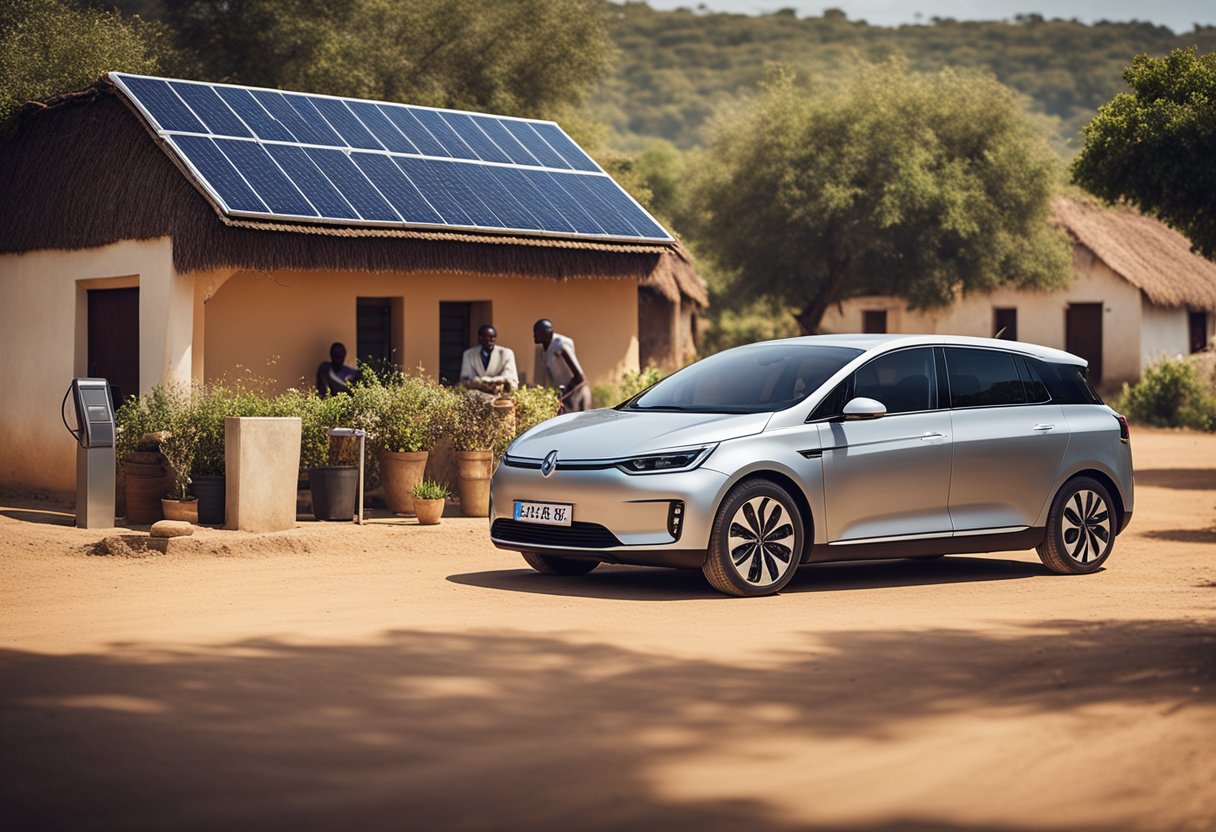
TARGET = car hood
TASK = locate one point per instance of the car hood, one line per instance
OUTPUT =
(609, 434)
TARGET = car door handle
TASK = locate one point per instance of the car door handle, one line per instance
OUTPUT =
(932, 435)
(1043, 428)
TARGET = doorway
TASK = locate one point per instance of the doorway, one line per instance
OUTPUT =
(1083, 335)
(113, 327)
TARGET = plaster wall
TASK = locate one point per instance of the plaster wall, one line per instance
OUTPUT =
(1164, 333)
(274, 329)
(44, 338)
(1041, 315)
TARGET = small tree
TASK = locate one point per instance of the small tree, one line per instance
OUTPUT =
(1156, 145)
(897, 183)
(49, 47)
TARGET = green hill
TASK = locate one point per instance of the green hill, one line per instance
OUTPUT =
(675, 67)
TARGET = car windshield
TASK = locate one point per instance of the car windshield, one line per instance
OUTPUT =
(754, 379)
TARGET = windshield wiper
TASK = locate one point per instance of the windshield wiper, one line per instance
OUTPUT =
(669, 408)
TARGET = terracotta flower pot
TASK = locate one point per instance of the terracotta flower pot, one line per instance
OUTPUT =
(473, 470)
(400, 472)
(429, 511)
(180, 509)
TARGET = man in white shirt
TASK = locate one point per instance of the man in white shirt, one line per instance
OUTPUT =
(560, 367)
(488, 367)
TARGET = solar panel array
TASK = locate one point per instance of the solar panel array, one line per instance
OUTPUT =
(311, 158)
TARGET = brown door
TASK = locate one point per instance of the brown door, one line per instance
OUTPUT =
(1083, 335)
(114, 340)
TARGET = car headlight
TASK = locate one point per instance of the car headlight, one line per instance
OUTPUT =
(666, 462)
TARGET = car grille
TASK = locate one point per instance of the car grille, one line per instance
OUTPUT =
(575, 536)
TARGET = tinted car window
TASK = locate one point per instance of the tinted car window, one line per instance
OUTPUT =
(903, 381)
(1032, 383)
(1067, 383)
(983, 378)
(756, 379)
(833, 404)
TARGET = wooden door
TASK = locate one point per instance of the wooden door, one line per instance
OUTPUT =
(113, 328)
(1083, 336)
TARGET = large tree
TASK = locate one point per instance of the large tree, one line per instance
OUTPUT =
(1156, 145)
(49, 47)
(523, 57)
(914, 185)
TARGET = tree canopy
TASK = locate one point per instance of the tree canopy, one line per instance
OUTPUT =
(1156, 145)
(517, 57)
(892, 182)
(676, 67)
(49, 47)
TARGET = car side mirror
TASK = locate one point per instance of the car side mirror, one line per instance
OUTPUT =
(861, 408)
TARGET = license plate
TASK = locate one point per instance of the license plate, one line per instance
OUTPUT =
(547, 514)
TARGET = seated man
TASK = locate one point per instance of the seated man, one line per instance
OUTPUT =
(489, 367)
(333, 376)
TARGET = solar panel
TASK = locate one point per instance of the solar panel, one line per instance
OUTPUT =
(269, 154)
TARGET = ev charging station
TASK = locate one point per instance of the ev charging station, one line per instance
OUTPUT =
(95, 465)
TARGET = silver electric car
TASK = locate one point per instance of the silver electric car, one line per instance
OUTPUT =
(826, 448)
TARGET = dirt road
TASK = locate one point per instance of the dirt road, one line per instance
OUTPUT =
(404, 677)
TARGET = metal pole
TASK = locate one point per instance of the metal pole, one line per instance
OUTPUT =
(362, 434)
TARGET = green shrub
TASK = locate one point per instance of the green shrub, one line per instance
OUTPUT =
(534, 405)
(1172, 393)
(407, 415)
(610, 395)
(474, 425)
(431, 490)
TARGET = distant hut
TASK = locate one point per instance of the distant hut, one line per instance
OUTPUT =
(670, 305)
(1138, 293)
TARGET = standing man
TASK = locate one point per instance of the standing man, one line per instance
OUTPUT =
(489, 367)
(560, 367)
(333, 376)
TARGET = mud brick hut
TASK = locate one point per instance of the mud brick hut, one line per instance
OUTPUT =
(162, 231)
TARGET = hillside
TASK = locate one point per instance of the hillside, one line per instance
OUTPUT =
(675, 67)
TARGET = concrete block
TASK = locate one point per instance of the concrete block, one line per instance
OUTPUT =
(262, 457)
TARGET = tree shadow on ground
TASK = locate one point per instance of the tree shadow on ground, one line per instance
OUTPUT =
(479, 731)
(1182, 535)
(650, 584)
(1184, 479)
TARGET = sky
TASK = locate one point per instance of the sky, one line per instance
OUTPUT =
(1179, 15)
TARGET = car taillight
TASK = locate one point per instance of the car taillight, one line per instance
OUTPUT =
(1124, 433)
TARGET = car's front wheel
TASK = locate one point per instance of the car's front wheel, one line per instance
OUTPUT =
(558, 565)
(1080, 528)
(756, 541)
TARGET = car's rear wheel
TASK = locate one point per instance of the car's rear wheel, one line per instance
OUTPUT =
(558, 565)
(756, 541)
(1080, 528)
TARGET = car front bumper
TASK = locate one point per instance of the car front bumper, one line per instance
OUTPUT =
(652, 519)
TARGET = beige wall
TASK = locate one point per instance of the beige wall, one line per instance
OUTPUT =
(1164, 332)
(43, 333)
(279, 326)
(1040, 315)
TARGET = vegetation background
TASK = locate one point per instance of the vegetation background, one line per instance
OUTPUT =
(643, 89)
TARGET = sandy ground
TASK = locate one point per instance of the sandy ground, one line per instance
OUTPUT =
(405, 677)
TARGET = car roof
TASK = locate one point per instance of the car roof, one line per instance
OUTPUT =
(884, 342)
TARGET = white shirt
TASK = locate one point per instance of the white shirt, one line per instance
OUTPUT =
(559, 371)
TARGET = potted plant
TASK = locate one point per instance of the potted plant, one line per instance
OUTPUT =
(429, 498)
(475, 433)
(140, 425)
(179, 448)
(210, 406)
(412, 415)
(333, 477)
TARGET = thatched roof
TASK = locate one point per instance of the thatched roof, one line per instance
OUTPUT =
(84, 170)
(1148, 254)
(676, 279)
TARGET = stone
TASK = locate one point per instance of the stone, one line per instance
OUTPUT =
(262, 458)
(171, 528)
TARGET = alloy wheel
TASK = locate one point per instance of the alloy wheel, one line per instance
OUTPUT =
(1086, 526)
(760, 540)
